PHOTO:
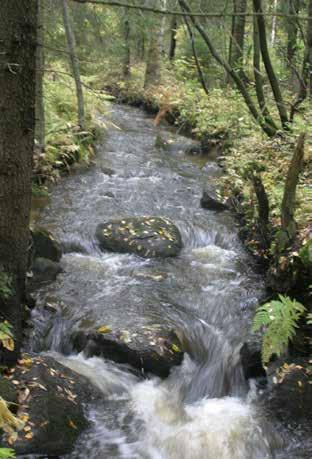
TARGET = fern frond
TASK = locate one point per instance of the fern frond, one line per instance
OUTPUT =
(279, 318)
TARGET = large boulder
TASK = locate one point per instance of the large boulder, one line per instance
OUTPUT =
(151, 349)
(45, 245)
(144, 236)
(51, 399)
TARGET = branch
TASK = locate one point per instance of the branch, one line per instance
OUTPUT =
(190, 14)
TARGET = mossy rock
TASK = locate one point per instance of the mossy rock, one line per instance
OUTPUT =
(45, 245)
(148, 237)
(305, 255)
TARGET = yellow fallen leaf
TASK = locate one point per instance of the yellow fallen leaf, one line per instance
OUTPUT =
(29, 435)
(104, 329)
(72, 424)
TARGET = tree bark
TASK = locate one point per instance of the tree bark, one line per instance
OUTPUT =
(268, 65)
(274, 23)
(153, 63)
(127, 56)
(173, 39)
(259, 77)
(197, 63)
(267, 128)
(263, 209)
(18, 30)
(306, 74)
(40, 115)
(71, 45)
(236, 51)
(289, 198)
(292, 31)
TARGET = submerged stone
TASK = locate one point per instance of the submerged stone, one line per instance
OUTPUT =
(148, 237)
(149, 349)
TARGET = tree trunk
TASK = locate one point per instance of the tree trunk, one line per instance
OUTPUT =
(274, 23)
(18, 30)
(267, 128)
(197, 63)
(71, 45)
(153, 63)
(306, 74)
(40, 115)
(263, 209)
(268, 65)
(236, 54)
(127, 57)
(259, 77)
(292, 31)
(289, 199)
(173, 39)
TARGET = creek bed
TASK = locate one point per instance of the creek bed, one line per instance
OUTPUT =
(205, 408)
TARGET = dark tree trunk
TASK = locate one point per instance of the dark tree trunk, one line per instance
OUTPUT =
(71, 45)
(236, 52)
(17, 123)
(173, 39)
(268, 64)
(40, 115)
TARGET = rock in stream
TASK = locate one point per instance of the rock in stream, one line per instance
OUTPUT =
(148, 237)
(50, 401)
(151, 349)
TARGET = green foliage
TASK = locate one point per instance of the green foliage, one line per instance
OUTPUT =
(5, 284)
(279, 318)
(7, 453)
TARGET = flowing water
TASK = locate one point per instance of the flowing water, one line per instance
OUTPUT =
(205, 409)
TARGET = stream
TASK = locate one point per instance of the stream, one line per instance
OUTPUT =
(204, 409)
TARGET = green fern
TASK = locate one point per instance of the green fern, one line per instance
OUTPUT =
(6, 453)
(279, 319)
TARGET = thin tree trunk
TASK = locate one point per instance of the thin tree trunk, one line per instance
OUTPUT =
(268, 65)
(236, 52)
(292, 31)
(306, 74)
(127, 57)
(274, 24)
(259, 77)
(40, 115)
(71, 44)
(173, 39)
(268, 129)
(197, 63)
(18, 29)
